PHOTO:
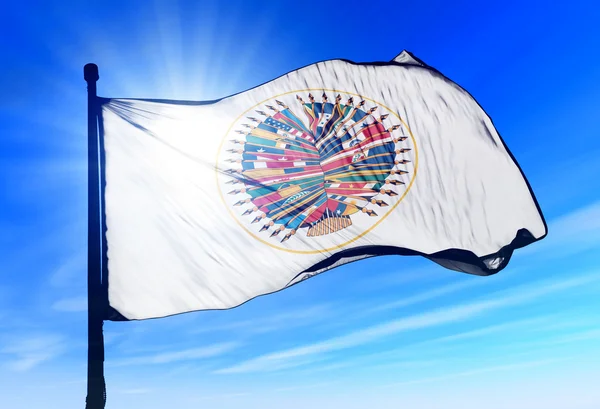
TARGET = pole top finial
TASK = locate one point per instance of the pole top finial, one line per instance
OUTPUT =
(90, 73)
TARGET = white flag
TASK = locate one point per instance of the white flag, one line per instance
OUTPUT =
(209, 204)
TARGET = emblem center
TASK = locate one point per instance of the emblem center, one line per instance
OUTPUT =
(313, 167)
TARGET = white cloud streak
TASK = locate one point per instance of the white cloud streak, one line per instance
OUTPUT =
(391, 357)
(220, 397)
(71, 270)
(571, 233)
(497, 368)
(74, 304)
(433, 318)
(574, 337)
(400, 277)
(427, 295)
(136, 391)
(305, 387)
(209, 351)
(492, 329)
(274, 322)
(29, 351)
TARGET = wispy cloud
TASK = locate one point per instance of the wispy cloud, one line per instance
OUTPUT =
(111, 336)
(399, 277)
(573, 337)
(134, 391)
(571, 233)
(466, 282)
(74, 304)
(433, 318)
(427, 295)
(220, 397)
(273, 322)
(497, 368)
(391, 357)
(28, 351)
(305, 386)
(493, 329)
(277, 365)
(578, 336)
(178, 356)
(403, 364)
(70, 270)
(329, 367)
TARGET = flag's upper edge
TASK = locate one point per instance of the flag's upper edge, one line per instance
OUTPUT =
(404, 59)
(407, 58)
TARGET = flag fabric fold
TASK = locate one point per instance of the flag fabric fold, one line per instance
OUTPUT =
(210, 204)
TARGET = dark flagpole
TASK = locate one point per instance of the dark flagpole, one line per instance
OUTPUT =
(96, 396)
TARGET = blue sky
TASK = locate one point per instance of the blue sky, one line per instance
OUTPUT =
(385, 333)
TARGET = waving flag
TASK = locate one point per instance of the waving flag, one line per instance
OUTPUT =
(209, 204)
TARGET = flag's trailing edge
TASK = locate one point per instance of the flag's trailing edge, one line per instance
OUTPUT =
(210, 204)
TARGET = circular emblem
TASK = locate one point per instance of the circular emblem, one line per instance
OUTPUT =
(326, 171)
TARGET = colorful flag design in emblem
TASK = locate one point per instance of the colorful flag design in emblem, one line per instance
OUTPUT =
(312, 166)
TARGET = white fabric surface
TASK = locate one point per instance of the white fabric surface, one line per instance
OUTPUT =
(177, 243)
